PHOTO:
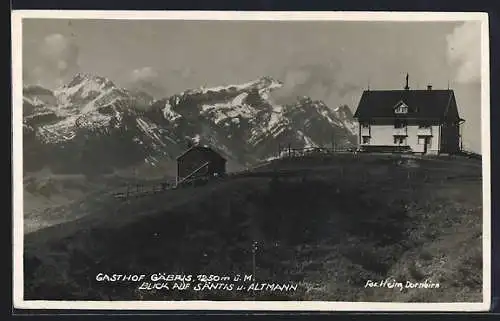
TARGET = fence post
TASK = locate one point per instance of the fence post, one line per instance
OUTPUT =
(254, 251)
(254, 267)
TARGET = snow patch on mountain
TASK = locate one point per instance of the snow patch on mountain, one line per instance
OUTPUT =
(331, 120)
(239, 99)
(276, 118)
(220, 112)
(151, 160)
(345, 115)
(150, 129)
(56, 133)
(169, 113)
(274, 126)
(308, 142)
(264, 83)
(34, 101)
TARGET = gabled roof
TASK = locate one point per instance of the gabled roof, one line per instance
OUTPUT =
(205, 149)
(421, 103)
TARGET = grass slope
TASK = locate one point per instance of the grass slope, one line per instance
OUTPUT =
(329, 229)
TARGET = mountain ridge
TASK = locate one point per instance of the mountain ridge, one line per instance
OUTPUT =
(91, 125)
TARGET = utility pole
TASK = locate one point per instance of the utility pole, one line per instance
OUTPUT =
(254, 251)
(460, 138)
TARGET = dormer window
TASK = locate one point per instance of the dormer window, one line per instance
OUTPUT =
(401, 108)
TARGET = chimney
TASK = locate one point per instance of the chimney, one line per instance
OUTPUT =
(429, 87)
(407, 87)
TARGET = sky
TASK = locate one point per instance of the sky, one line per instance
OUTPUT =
(333, 61)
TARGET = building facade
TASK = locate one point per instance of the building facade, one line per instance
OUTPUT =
(198, 162)
(420, 121)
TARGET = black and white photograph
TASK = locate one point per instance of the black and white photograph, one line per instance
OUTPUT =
(251, 160)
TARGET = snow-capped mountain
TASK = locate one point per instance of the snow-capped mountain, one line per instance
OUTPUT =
(92, 125)
(87, 102)
(345, 115)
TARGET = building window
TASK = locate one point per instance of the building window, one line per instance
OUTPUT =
(365, 125)
(423, 140)
(424, 125)
(401, 108)
(398, 123)
(399, 140)
(366, 140)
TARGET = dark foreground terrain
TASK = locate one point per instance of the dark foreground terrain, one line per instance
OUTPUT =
(329, 226)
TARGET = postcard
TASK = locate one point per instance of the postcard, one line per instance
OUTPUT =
(264, 161)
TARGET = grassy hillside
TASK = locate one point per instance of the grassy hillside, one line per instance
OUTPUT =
(329, 227)
(56, 198)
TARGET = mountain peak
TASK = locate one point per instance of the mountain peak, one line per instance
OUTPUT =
(344, 112)
(36, 90)
(85, 77)
(85, 87)
(342, 108)
(306, 100)
(268, 81)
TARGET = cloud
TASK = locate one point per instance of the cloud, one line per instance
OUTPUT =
(145, 73)
(464, 52)
(318, 81)
(148, 80)
(56, 61)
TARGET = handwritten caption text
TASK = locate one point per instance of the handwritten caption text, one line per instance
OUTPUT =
(199, 282)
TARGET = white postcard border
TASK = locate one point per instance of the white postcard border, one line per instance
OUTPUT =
(17, 151)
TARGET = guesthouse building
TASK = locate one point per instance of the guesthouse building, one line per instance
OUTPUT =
(420, 121)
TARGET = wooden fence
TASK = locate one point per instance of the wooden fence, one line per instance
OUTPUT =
(140, 190)
(263, 169)
(311, 151)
